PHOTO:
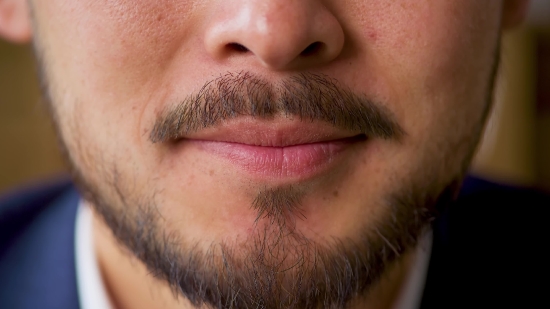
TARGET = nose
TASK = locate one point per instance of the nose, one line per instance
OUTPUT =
(278, 34)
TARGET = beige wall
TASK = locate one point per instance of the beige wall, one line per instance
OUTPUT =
(516, 138)
(507, 151)
(27, 144)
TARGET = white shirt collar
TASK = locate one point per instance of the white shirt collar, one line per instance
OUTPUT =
(93, 294)
(411, 292)
(91, 289)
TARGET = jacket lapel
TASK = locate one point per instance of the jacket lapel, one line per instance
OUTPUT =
(38, 266)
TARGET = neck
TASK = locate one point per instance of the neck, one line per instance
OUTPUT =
(130, 284)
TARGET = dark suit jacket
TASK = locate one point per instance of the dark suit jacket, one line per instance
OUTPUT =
(488, 249)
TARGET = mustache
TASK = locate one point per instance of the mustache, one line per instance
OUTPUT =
(307, 96)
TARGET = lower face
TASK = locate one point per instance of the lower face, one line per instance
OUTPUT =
(283, 218)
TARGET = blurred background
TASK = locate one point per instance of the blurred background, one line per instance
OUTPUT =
(515, 149)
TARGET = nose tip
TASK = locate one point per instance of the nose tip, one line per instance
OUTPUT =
(279, 35)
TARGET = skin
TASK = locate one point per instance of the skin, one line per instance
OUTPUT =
(111, 66)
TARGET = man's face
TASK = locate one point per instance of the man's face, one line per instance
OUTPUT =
(245, 141)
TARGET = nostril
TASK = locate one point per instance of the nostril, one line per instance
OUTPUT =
(237, 47)
(313, 48)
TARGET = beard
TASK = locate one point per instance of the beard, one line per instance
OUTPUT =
(276, 266)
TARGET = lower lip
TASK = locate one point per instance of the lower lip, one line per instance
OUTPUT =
(279, 162)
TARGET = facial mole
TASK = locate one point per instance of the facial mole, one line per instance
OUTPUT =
(372, 36)
(335, 193)
(211, 173)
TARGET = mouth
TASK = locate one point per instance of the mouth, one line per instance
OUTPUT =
(276, 149)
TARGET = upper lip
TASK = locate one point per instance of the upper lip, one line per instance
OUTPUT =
(271, 133)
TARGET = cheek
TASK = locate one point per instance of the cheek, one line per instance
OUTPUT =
(105, 60)
(435, 60)
(109, 48)
(438, 80)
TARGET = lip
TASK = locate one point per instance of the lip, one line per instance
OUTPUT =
(275, 149)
